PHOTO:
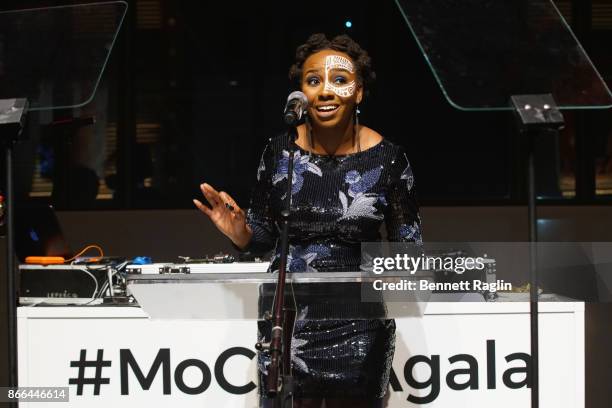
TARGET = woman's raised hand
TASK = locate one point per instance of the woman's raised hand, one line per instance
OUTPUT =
(225, 214)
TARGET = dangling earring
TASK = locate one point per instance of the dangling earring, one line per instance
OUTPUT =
(356, 130)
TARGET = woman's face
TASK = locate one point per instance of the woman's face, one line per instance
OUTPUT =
(329, 81)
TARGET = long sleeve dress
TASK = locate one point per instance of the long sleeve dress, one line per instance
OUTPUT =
(337, 203)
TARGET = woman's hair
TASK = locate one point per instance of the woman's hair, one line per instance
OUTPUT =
(343, 43)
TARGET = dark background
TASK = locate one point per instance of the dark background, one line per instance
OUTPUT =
(194, 89)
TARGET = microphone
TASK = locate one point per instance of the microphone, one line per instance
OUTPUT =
(295, 108)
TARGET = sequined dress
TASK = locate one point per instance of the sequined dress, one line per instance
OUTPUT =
(337, 203)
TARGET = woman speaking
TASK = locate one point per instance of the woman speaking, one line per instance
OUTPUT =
(347, 181)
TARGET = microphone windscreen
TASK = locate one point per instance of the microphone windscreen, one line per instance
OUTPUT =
(298, 95)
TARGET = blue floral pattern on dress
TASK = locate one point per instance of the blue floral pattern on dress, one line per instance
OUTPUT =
(407, 175)
(297, 343)
(363, 202)
(411, 232)
(297, 346)
(301, 165)
(352, 177)
(262, 166)
(361, 184)
(300, 258)
(383, 199)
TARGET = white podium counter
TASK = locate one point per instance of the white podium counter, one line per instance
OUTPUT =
(456, 355)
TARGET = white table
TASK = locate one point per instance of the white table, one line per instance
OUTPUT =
(212, 364)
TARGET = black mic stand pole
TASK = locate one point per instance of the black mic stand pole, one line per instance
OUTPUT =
(279, 383)
(12, 121)
(536, 115)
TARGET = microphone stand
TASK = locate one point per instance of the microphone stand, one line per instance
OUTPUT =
(12, 122)
(279, 383)
(536, 115)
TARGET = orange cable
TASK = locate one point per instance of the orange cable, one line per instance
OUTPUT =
(88, 247)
